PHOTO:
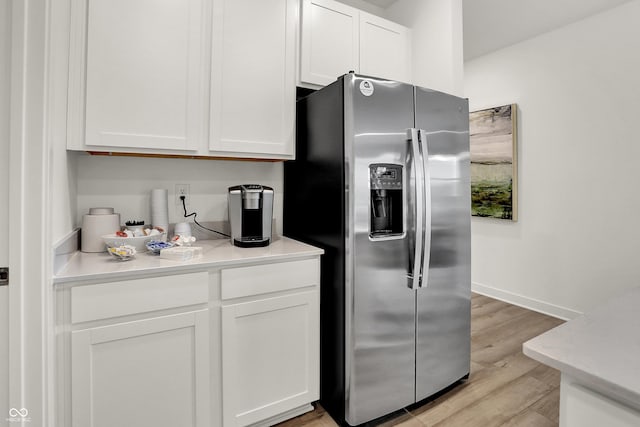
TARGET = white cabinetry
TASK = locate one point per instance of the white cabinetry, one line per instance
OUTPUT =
(137, 352)
(253, 77)
(336, 39)
(270, 341)
(152, 372)
(384, 48)
(208, 78)
(330, 41)
(580, 406)
(137, 70)
(230, 346)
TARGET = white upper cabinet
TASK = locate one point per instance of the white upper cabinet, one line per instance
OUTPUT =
(253, 77)
(385, 48)
(195, 78)
(137, 73)
(336, 38)
(330, 41)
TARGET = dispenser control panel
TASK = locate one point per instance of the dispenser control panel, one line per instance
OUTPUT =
(385, 176)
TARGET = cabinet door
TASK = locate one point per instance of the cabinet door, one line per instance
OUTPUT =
(253, 78)
(270, 357)
(137, 74)
(152, 372)
(385, 49)
(330, 41)
(581, 406)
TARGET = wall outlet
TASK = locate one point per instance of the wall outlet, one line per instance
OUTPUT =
(182, 190)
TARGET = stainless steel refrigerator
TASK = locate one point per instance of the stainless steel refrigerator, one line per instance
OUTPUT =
(381, 182)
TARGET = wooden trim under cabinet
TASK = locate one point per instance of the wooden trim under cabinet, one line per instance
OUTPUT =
(181, 156)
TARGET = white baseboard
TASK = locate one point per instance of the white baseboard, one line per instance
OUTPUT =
(525, 302)
(284, 416)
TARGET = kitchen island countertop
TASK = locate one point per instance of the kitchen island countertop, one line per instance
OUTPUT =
(216, 253)
(600, 349)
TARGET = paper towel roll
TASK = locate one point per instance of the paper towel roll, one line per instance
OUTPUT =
(160, 208)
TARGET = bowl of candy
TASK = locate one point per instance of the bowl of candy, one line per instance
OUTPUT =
(134, 235)
(122, 252)
(138, 243)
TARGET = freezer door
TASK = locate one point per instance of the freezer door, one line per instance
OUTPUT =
(443, 302)
(380, 307)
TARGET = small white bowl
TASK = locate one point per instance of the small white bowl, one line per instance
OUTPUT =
(122, 253)
(112, 240)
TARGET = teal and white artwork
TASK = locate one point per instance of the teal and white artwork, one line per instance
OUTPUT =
(494, 175)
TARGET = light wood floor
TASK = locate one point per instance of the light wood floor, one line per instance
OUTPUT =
(505, 387)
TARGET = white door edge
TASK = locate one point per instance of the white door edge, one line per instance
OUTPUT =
(30, 290)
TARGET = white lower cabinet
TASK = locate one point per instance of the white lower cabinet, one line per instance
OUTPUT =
(225, 347)
(152, 372)
(270, 357)
(270, 336)
(135, 352)
(581, 406)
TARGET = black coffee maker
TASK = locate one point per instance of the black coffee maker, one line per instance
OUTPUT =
(250, 215)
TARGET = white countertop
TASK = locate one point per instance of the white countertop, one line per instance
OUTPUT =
(600, 349)
(91, 266)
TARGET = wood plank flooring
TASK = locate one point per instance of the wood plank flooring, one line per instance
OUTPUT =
(505, 388)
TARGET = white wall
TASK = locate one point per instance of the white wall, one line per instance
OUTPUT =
(125, 183)
(436, 41)
(577, 239)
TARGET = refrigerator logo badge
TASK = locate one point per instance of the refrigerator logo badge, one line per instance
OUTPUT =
(366, 87)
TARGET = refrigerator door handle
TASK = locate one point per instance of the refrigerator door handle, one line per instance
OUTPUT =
(426, 240)
(415, 273)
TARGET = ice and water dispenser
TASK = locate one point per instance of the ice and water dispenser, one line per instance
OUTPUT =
(385, 183)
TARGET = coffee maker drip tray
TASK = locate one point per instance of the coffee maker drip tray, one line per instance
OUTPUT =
(251, 242)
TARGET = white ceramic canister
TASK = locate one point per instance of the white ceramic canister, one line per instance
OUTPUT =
(97, 223)
(182, 229)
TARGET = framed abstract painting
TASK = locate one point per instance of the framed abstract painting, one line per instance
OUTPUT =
(494, 169)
